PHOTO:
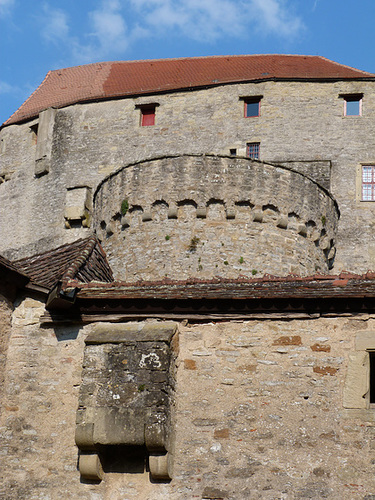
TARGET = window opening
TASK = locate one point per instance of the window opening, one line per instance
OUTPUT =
(252, 107)
(368, 183)
(147, 114)
(372, 377)
(253, 150)
(34, 133)
(233, 152)
(352, 104)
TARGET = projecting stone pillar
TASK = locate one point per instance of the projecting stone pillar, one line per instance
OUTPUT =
(125, 396)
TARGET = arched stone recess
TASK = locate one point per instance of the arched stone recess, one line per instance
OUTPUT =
(207, 216)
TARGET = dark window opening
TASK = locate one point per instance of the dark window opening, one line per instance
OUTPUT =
(233, 152)
(34, 133)
(372, 376)
(252, 107)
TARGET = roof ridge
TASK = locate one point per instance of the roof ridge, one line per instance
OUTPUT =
(80, 260)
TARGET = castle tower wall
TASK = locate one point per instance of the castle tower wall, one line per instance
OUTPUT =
(206, 216)
(301, 124)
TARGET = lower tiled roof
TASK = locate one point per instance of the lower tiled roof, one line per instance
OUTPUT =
(83, 260)
(268, 287)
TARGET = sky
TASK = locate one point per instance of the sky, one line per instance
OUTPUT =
(38, 36)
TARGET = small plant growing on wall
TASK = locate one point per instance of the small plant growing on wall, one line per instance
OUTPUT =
(167, 237)
(324, 220)
(254, 272)
(241, 260)
(124, 207)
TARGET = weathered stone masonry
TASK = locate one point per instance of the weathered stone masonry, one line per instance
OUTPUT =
(176, 321)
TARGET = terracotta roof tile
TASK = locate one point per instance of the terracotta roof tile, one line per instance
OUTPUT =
(83, 260)
(113, 79)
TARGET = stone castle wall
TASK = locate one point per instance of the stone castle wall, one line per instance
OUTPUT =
(300, 122)
(259, 413)
(213, 216)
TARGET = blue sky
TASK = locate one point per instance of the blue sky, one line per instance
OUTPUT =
(38, 36)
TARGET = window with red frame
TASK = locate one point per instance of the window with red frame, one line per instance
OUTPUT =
(252, 106)
(368, 183)
(253, 150)
(148, 115)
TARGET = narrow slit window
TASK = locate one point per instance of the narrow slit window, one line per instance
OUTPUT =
(372, 377)
(368, 183)
(253, 150)
(34, 133)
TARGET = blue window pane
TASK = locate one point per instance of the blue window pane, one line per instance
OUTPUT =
(251, 109)
(352, 107)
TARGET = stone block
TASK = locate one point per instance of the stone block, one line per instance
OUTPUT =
(365, 341)
(90, 466)
(201, 212)
(134, 332)
(356, 388)
(44, 142)
(159, 468)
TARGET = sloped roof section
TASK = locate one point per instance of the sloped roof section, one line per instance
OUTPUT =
(84, 260)
(128, 78)
(318, 286)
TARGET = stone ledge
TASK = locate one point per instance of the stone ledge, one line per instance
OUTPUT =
(109, 333)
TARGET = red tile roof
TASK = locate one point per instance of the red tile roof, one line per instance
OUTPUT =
(114, 79)
(83, 260)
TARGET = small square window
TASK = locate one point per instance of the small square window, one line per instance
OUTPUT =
(368, 183)
(352, 104)
(252, 107)
(253, 150)
(147, 116)
(233, 152)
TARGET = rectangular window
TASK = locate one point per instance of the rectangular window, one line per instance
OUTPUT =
(147, 116)
(368, 183)
(253, 150)
(352, 104)
(252, 106)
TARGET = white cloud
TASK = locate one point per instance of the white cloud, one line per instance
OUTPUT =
(5, 7)
(208, 20)
(274, 17)
(55, 24)
(108, 33)
(116, 25)
(6, 88)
